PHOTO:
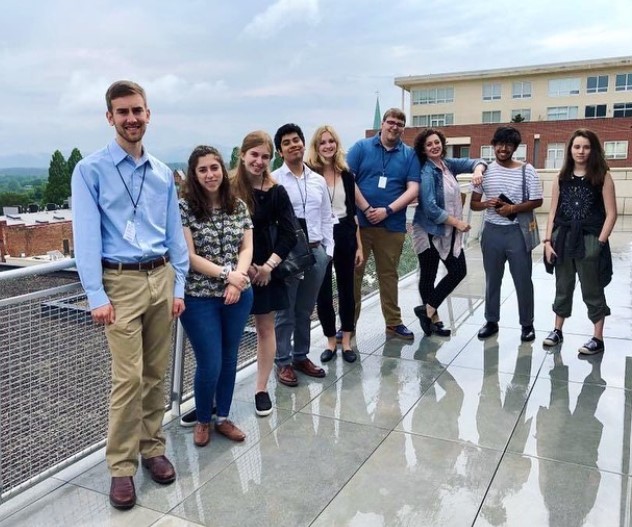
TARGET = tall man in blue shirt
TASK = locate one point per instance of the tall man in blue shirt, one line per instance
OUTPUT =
(132, 261)
(387, 174)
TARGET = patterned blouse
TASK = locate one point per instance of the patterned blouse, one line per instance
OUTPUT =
(218, 239)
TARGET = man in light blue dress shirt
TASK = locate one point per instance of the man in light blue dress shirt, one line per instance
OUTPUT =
(132, 260)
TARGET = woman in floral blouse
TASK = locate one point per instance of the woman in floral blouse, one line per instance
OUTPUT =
(218, 232)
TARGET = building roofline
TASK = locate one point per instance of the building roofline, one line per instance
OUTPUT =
(432, 78)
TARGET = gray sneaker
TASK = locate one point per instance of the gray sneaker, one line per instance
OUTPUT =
(553, 338)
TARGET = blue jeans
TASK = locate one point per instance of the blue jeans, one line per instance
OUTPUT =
(215, 330)
(295, 320)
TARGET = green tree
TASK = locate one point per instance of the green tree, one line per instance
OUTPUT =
(13, 199)
(75, 157)
(277, 161)
(58, 186)
(234, 158)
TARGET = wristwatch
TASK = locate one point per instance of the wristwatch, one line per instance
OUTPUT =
(223, 276)
(389, 211)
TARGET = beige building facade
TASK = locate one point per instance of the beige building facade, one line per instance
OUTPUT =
(551, 92)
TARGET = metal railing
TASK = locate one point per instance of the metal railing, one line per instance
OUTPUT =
(55, 370)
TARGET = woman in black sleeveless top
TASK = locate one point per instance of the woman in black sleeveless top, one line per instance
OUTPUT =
(582, 215)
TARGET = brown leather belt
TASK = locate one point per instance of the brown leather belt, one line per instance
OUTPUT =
(314, 245)
(136, 266)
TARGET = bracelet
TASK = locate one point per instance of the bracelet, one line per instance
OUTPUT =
(270, 266)
(389, 211)
(548, 240)
(367, 208)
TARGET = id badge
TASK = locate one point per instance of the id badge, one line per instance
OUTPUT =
(382, 182)
(130, 231)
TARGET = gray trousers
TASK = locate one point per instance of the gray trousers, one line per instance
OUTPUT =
(500, 244)
(296, 319)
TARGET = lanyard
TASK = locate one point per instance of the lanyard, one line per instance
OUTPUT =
(386, 161)
(303, 199)
(140, 191)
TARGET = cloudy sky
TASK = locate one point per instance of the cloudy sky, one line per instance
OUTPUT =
(215, 70)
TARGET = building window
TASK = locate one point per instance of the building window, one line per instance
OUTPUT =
(595, 110)
(616, 149)
(521, 153)
(491, 117)
(622, 109)
(521, 90)
(598, 84)
(491, 91)
(554, 155)
(433, 95)
(525, 113)
(623, 82)
(435, 119)
(561, 113)
(562, 87)
(487, 153)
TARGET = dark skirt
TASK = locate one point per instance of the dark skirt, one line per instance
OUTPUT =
(272, 297)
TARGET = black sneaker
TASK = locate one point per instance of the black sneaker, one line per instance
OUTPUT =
(554, 338)
(189, 419)
(593, 346)
(263, 404)
(527, 334)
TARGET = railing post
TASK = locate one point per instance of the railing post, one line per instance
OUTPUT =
(178, 371)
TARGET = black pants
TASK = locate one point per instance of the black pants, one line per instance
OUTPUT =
(428, 266)
(345, 245)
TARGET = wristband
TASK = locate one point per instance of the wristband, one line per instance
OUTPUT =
(368, 207)
(548, 240)
(389, 211)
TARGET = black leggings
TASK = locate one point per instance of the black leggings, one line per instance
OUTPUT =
(428, 266)
(345, 245)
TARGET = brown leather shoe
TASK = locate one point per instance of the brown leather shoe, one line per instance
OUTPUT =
(122, 492)
(227, 428)
(202, 434)
(285, 375)
(307, 367)
(161, 469)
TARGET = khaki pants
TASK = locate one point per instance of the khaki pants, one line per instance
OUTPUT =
(386, 247)
(140, 344)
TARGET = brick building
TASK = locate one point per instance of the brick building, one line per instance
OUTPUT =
(33, 234)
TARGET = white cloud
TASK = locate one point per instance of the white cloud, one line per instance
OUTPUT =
(280, 15)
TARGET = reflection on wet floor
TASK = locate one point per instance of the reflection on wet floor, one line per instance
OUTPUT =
(438, 431)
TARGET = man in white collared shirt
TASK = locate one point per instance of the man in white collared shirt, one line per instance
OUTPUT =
(308, 193)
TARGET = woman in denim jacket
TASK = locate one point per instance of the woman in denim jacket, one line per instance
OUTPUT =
(438, 225)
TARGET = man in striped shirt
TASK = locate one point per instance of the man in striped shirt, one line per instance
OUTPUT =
(502, 239)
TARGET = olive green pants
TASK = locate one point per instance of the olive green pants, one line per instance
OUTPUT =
(587, 269)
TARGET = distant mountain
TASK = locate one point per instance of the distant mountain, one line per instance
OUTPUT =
(24, 172)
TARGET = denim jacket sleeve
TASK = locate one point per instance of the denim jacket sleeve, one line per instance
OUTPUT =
(463, 165)
(428, 194)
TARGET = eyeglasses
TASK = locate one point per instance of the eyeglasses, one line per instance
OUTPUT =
(399, 124)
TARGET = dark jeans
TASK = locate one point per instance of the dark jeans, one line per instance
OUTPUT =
(215, 330)
(345, 246)
(428, 266)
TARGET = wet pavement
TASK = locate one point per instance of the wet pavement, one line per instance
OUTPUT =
(437, 431)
